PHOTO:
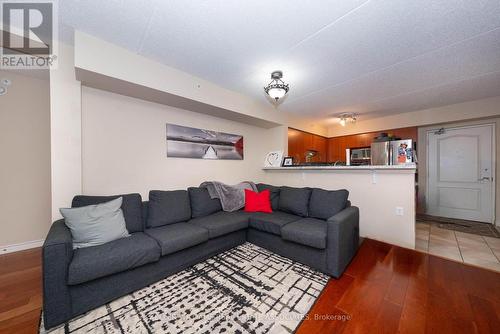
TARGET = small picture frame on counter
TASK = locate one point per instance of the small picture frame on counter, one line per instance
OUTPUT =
(287, 161)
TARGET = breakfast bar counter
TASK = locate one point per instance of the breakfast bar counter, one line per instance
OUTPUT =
(410, 167)
(385, 195)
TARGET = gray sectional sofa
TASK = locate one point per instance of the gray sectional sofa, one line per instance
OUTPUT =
(177, 229)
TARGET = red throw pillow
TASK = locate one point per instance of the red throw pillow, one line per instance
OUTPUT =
(258, 202)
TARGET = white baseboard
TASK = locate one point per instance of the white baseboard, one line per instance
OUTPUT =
(21, 246)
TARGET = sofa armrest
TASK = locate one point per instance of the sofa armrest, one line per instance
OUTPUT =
(342, 239)
(57, 253)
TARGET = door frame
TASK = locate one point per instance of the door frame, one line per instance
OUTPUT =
(493, 165)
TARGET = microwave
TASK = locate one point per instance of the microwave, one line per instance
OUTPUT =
(361, 156)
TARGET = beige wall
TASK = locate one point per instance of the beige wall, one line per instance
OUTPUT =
(25, 160)
(124, 147)
(65, 127)
(451, 113)
(422, 154)
(377, 194)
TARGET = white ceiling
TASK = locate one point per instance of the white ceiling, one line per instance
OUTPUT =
(371, 57)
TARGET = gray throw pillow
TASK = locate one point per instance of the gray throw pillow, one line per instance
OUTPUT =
(95, 225)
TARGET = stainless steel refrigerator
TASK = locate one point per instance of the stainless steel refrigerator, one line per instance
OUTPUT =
(395, 152)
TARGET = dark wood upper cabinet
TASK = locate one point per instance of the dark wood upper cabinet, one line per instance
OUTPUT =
(299, 142)
(334, 148)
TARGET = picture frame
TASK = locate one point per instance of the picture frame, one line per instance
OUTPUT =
(273, 159)
(287, 162)
(195, 143)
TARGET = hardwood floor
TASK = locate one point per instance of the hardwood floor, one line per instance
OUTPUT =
(20, 291)
(386, 289)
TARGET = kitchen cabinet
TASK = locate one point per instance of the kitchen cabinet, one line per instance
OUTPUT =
(333, 149)
(338, 145)
(319, 145)
(300, 142)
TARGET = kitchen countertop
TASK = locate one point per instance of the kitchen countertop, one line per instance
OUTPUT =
(410, 167)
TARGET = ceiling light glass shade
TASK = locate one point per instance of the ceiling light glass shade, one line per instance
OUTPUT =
(276, 89)
(3, 90)
(276, 92)
(342, 121)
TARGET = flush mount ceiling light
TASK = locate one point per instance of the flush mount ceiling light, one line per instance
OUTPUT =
(345, 119)
(277, 88)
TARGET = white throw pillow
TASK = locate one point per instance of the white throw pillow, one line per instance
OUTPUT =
(95, 225)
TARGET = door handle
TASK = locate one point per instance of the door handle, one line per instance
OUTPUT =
(485, 178)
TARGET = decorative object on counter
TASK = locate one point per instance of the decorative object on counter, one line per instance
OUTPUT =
(273, 159)
(347, 118)
(287, 161)
(277, 88)
(186, 142)
(310, 154)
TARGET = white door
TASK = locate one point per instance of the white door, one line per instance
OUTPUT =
(460, 173)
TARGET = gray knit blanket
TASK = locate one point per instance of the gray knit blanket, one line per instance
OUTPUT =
(232, 197)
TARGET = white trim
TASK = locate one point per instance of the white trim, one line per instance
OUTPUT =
(429, 130)
(20, 246)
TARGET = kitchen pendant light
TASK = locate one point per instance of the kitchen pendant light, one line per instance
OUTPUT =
(276, 89)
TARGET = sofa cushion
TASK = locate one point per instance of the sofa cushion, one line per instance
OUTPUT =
(307, 231)
(175, 237)
(168, 207)
(275, 194)
(327, 203)
(221, 223)
(295, 200)
(131, 207)
(94, 225)
(201, 203)
(113, 257)
(271, 222)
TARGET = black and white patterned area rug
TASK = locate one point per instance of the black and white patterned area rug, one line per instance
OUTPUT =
(245, 290)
